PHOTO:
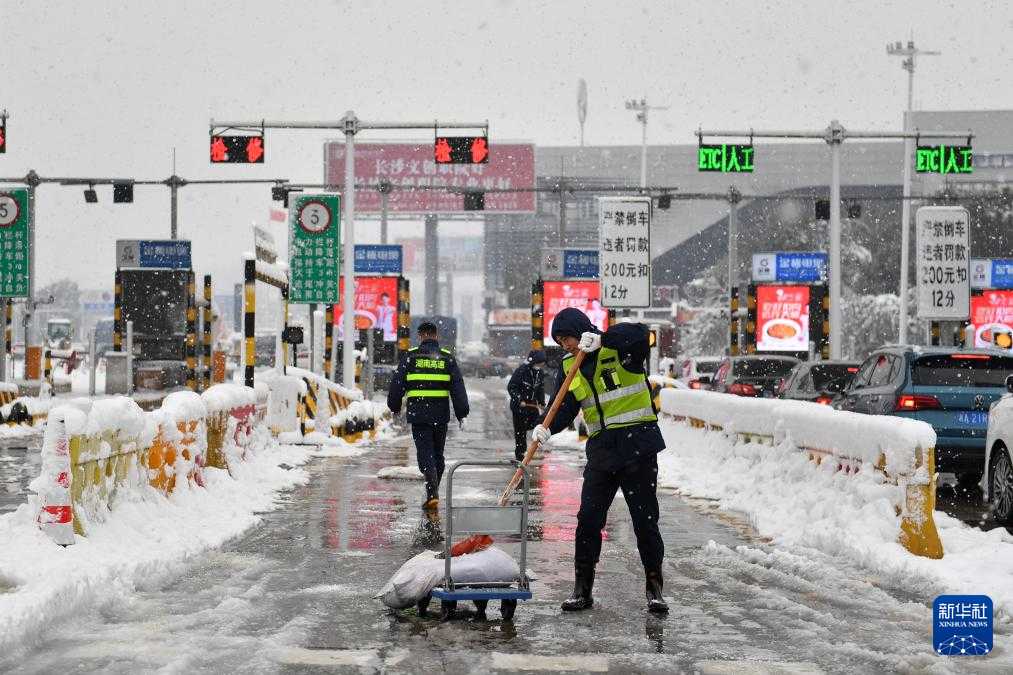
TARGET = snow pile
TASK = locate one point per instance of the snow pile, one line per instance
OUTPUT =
(148, 535)
(809, 425)
(667, 382)
(796, 503)
(225, 397)
(324, 385)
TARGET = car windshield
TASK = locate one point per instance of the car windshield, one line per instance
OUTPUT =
(707, 366)
(824, 375)
(763, 367)
(962, 370)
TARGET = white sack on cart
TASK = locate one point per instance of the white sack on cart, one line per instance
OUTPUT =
(421, 574)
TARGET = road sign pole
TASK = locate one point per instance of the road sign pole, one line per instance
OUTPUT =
(351, 126)
(834, 136)
(173, 210)
(33, 181)
(905, 234)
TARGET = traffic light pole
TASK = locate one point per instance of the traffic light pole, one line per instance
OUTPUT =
(350, 125)
(834, 135)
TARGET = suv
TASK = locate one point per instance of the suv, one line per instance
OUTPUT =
(949, 388)
(818, 381)
(752, 375)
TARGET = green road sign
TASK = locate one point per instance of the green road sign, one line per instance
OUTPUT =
(314, 245)
(15, 244)
(944, 159)
(725, 158)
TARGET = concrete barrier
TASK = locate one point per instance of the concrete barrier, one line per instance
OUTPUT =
(901, 450)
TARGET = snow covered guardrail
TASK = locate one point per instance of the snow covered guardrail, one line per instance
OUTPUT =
(327, 407)
(94, 450)
(901, 451)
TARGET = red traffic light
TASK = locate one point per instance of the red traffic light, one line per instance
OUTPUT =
(461, 150)
(237, 149)
(3, 136)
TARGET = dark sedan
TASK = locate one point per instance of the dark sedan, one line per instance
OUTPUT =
(752, 375)
(818, 381)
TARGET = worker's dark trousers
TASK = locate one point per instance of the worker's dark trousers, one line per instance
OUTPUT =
(429, 442)
(522, 423)
(639, 483)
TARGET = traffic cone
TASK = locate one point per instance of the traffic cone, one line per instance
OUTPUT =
(56, 513)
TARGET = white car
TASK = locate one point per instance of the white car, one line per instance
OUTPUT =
(697, 372)
(997, 479)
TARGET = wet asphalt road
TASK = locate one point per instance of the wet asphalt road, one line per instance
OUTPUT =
(294, 594)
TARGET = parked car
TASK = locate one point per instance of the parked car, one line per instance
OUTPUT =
(696, 372)
(949, 388)
(752, 375)
(997, 480)
(818, 381)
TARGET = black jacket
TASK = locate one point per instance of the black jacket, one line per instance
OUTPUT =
(428, 410)
(612, 448)
(526, 386)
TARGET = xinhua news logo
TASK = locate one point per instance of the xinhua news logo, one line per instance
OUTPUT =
(962, 625)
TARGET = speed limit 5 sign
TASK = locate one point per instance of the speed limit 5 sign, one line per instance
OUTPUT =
(15, 244)
(314, 248)
(942, 256)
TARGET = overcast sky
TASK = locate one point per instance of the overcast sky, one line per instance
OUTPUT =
(109, 89)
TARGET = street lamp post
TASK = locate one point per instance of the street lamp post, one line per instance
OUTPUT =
(909, 53)
(641, 108)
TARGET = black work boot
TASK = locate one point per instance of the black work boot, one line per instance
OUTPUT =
(655, 601)
(432, 502)
(581, 598)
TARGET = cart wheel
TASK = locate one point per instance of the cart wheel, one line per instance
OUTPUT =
(423, 606)
(447, 609)
(507, 609)
(480, 606)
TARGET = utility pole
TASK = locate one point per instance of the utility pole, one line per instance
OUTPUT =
(909, 53)
(350, 125)
(734, 197)
(641, 108)
(384, 188)
(834, 135)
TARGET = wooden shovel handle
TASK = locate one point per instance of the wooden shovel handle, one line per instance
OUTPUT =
(547, 422)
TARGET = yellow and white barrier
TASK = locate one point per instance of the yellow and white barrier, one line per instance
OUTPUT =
(900, 450)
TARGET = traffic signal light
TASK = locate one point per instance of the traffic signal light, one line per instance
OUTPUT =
(123, 193)
(3, 135)
(237, 149)
(822, 209)
(461, 150)
(664, 202)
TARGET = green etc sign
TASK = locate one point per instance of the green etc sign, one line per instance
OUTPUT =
(725, 158)
(943, 159)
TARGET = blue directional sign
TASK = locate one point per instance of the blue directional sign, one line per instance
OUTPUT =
(791, 266)
(153, 254)
(377, 259)
(580, 263)
(1002, 274)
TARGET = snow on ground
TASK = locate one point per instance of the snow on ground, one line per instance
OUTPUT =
(798, 504)
(144, 539)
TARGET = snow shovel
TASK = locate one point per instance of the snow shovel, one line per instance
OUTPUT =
(478, 542)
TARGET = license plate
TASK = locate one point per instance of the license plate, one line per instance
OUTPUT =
(973, 419)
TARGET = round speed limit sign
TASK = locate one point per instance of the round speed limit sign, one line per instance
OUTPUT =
(9, 210)
(314, 217)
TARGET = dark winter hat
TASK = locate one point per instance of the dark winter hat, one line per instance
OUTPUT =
(571, 322)
(536, 356)
(428, 327)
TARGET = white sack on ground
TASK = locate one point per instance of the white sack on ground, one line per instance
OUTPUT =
(421, 574)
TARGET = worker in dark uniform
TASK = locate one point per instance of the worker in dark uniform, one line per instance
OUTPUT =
(428, 377)
(612, 390)
(527, 397)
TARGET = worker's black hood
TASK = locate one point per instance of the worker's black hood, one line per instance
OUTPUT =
(573, 323)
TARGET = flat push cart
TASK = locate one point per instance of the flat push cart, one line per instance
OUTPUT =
(502, 520)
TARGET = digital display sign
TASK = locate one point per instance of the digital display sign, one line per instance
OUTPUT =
(782, 318)
(584, 295)
(725, 158)
(944, 159)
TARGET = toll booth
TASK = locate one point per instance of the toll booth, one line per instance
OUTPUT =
(155, 291)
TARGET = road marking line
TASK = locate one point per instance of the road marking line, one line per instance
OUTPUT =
(593, 664)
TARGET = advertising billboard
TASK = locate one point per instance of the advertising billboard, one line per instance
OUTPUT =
(412, 170)
(991, 314)
(584, 295)
(375, 306)
(782, 318)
